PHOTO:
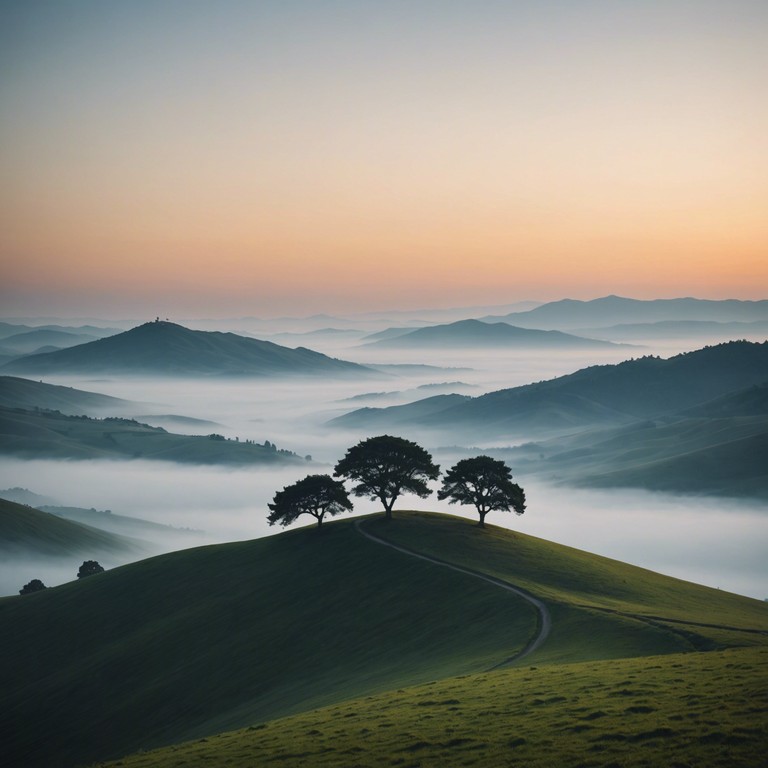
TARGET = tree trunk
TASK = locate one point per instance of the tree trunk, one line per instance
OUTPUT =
(482, 519)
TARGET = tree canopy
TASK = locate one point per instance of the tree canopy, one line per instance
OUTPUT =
(33, 586)
(485, 483)
(316, 495)
(89, 568)
(385, 467)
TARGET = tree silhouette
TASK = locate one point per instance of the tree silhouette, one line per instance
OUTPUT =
(89, 568)
(34, 586)
(316, 495)
(484, 482)
(384, 467)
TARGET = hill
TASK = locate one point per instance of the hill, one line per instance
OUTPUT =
(163, 348)
(196, 642)
(50, 434)
(473, 333)
(23, 393)
(647, 387)
(28, 531)
(718, 448)
(614, 310)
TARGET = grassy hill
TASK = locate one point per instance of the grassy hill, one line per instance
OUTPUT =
(187, 645)
(16, 392)
(163, 348)
(49, 434)
(28, 531)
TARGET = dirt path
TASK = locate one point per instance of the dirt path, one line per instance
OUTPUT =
(544, 619)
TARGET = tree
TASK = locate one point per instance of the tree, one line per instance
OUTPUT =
(384, 467)
(484, 482)
(34, 586)
(89, 568)
(316, 495)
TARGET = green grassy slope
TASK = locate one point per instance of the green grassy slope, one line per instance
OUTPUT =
(601, 607)
(197, 642)
(26, 531)
(703, 710)
(33, 434)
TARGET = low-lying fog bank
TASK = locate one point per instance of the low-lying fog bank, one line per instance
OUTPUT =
(717, 542)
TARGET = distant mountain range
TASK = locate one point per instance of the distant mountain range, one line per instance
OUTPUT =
(477, 334)
(598, 395)
(570, 314)
(163, 348)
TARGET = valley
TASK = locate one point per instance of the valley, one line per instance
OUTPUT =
(635, 463)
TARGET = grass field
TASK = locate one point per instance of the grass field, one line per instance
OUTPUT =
(701, 710)
(198, 642)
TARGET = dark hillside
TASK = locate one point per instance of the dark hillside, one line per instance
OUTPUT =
(189, 644)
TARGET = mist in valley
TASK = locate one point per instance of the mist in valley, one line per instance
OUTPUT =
(715, 541)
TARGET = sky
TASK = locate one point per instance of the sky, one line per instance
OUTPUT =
(216, 159)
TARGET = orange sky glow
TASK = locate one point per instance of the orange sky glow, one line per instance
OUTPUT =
(295, 157)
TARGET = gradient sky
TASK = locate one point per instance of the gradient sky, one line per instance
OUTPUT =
(189, 158)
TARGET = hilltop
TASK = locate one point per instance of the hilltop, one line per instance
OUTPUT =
(233, 635)
(164, 348)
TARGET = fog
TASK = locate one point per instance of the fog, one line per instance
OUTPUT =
(716, 542)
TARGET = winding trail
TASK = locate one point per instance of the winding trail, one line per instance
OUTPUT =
(544, 620)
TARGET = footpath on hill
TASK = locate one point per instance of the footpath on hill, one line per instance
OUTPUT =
(544, 618)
